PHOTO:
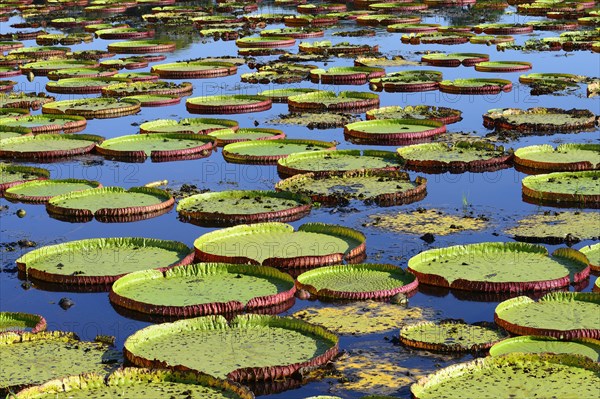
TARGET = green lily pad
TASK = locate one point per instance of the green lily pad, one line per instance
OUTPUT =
(515, 375)
(202, 289)
(188, 125)
(42, 68)
(194, 69)
(228, 208)
(228, 136)
(441, 114)
(549, 77)
(569, 187)
(98, 261)
(46, 123)
(345, 75)
(249, 347)
(345, 101)
(450, 336)
(269, 42)
(407, 81)
(592, 252)
(499, 267)
(566, 157)
(382, 187)
(531, 344)
(269, 151)
(454, 59)
(472, 156)
(48, 146)
(383, 61)
(13, 112)
(281, 95)
(502, 66)
(158, 146)
(81, 85)
(393, 131)
(227, 104)
(326, 120)
(539, 119)
(563, 315)
(36, 358)
(15, 321)
(139, 383)
(357, 282)
(142, 47)
(11, 175)
(147, 87)
(70, 73)
(24, 100)
(43, 190)
(556, 227)
(361, 318)
(93, 107)
(277, 244)
(337, 160)
(475, 86)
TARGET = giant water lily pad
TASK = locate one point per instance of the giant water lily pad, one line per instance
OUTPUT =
(566, 157)
(450, 336)
(423, 221)
(188, 125)
(138, 383)
(539, 119)
(110, 204)
(502, 66)
(93, 107)
(29, 359)
(363, 317)
(79, 85)
(249, 348)
(24, 100)
(345, 75)
(194, 69)
(282, 95)
(531, 344)
(592, 252)
(11, 175)
(277, 244)
(269, 151)
(142, 47)
(556, 227)
(513, 375)
(228, 208)
(42, 68)
(475, 86)
(357, 282)
(345, 101)
(499, 267)
(228, 136)
(202, 289)
(323, 162)
(43, 190)
(224, 104)
(441, 114)
(16, 321)
(158, 146)
(407, 81)
(570, 187)
(472, 156)
(48, 146)
(454, 59)
(564, 315)
(46, 123)
(326, 120)
(393, 131)
(382, 187)
(159, 87)
(98, 261)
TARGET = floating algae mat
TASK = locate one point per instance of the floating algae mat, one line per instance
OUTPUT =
(556, 227)
(138, 383)
(539, 119)
(101, 260)
(531, 344)
(249, 347)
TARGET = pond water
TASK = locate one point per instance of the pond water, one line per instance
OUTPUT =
(496, 195)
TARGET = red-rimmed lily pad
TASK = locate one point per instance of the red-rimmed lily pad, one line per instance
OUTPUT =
(101, 261)
(11, 175)
(124, 33)
(515, 375)
(48, 146)
(345, 75)
(592, 252)
(81, 73)
(82, 85)
(563, 315)
(447, 38)
(381, 187)
(565, 157)
(412, 28)
(228, 136)
(503, 66)
(93, 107)
(24, 100)
(534, 344)
(503, 29)
(43, 68)
(277, 244)
(188, 125)
(17, 321)
(345, 101)
(491, 39)
(139, 383)
(7, 72)
(407, 81)
(295, 33)
(50, 39)
(475, 86)
(194, 69)
(47, 349)
(229, 208)
(158, 146)
(539, 119)
(460, 156)
(142, 47)
(326, 47)
(228, 104)
(323, 162)
(386, 19)
(139, 88)
(267, 152)
(112, 204)
(441, 114)
(43, 190)
(499, 267)
(393, 131)
(249, 347)
(41, 51)
(568, 187)
(155, 100)
(46, 123)
(454, 59)
(357, 282)
(268, 42)
(137, 76)
(451, 335)
(202, 289)
(282, 95)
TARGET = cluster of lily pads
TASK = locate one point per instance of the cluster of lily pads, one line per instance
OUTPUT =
(217, 333)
